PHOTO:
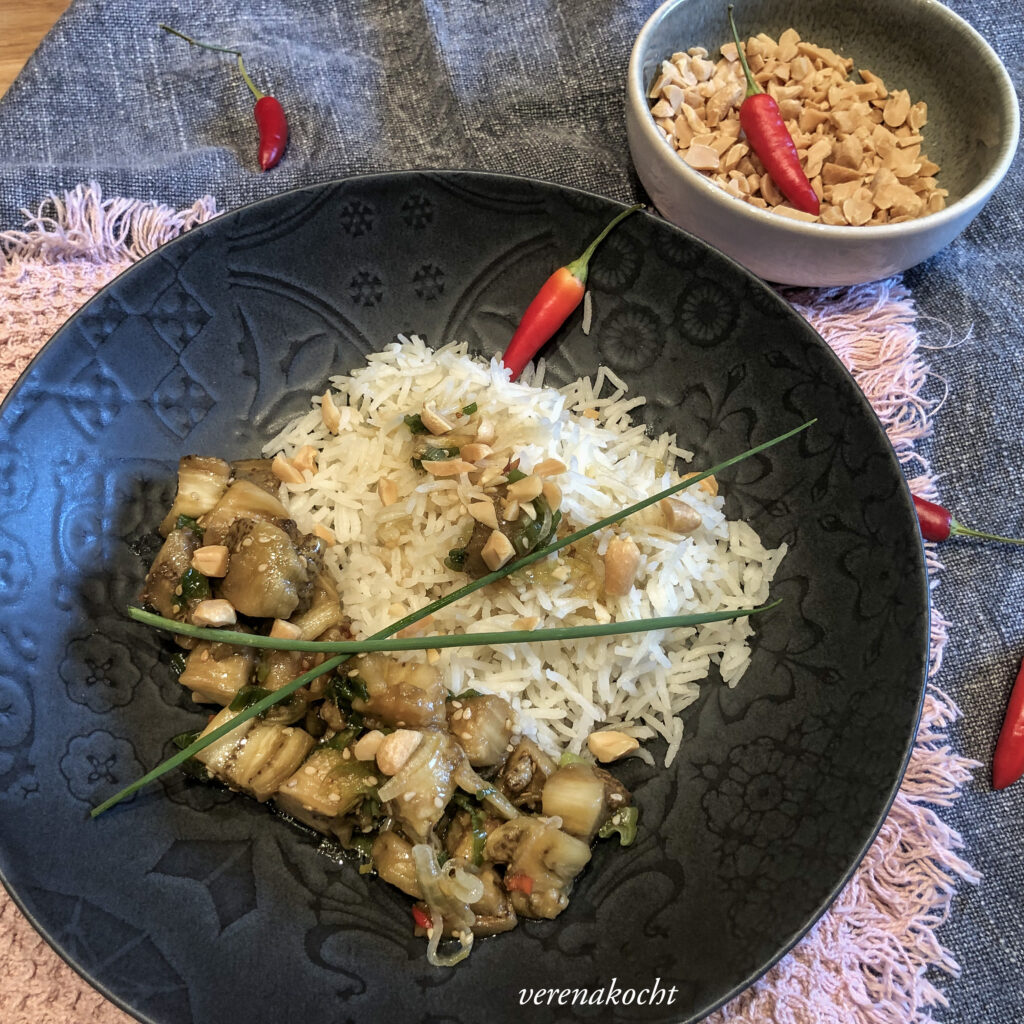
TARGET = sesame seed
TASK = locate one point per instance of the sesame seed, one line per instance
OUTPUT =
(409, 796)
(335, 798)
(292, 783)
(468, 713)
(456, 703)
(371, 780)
(247, 542)
(262, 567)
(346, 754)
(438, 802)
(309, 770)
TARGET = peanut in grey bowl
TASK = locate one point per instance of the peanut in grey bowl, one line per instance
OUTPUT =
(918, 45)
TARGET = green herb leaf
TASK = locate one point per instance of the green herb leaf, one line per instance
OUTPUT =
(415, 424)
(247, 696)
(439, 454)
(468, 410)
(342, 690)
(184, 522)
(340, 740)
(514, 475)
(194, 586)
(465, 695)
(179, 659)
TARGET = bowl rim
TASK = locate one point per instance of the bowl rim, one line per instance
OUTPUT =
(636, 101)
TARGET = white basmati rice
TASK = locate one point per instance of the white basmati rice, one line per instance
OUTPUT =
(389, 560)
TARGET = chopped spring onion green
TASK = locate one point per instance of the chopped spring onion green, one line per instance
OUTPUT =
(623, 822)
(568, 757)
(440, 642)
(468, 410)
(415, 424)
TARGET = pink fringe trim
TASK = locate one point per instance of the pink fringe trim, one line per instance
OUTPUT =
(868, 959)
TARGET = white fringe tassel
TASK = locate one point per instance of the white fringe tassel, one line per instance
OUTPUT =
(82, 225)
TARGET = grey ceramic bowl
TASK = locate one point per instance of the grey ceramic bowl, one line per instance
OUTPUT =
(919, 45)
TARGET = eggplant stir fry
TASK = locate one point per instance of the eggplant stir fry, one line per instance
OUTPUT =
(441, 795)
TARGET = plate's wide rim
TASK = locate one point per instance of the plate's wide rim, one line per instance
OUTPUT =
(220, 220)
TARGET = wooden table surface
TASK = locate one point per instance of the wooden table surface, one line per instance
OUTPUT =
(23, 23)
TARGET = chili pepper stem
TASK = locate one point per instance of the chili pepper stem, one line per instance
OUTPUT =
(752, 87)
(965, 531)
(219, 49)
(580, 267)
(248, 81)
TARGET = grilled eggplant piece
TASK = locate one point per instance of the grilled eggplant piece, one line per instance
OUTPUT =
(423, 787)
(523, 775)
(258, 472)
(172, 562)
(327, 785)
(324, 611)
(257, 757)
(402, 694)
(392, 859)
(266, 574)
(550, 858)
(483, 727)
(584, 797)
(242, 500)
(216, 672)
(202, 481)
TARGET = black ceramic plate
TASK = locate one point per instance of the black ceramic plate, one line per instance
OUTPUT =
(188, 904)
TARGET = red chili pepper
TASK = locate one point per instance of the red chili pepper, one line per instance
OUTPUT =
(1008, 761)
(937, 523)
(769, 138)
(269, 114)
(519, 883)
(560, 294)
(421, 917)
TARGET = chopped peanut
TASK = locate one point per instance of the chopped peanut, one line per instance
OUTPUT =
(214, 612)
(387, 491)
(211, 560)
(475, 451)
(621, 563)
(549, 467)
(284, 630)
(485, 432)
(844, 130)
(498, 551)
(421, 627)
(552, 495)
(395, 749)
(324, 534)
(448, 467)
(709, 484)
(609, 745)
(329, 413)
(434, 421)
(305, 458)
(285, 471)
(365, 748)
(679, 517)
(484, 512)
(526, 489)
